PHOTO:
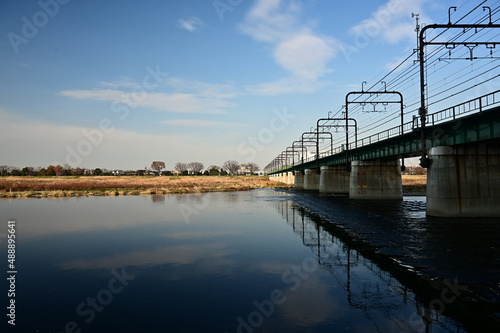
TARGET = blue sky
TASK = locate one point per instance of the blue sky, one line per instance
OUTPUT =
(119, 84)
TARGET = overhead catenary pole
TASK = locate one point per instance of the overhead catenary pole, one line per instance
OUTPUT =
(317, 140)
(422, 111)
(385, 102)
(337, 125)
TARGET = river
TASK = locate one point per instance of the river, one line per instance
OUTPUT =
(253, 261)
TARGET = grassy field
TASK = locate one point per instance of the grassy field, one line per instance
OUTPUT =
(26, 187)
(37, 187)
(414, 183)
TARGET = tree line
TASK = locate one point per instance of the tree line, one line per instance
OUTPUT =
(156, 168)
(196, 168)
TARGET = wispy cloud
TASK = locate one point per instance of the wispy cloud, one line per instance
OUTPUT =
(214, 90)
(190, 24)
(297, 48)
(392, 22)
(186, 97)
(199, 123)
(288, 85)
(177, 103)
(124, 82)
(272, 21)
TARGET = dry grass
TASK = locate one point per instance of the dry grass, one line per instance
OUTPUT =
(414, 183)
(414, 179)
(26, 187)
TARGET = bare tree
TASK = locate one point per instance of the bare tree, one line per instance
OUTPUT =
(231, 167)
(251, 167)
(414, 170)
(195, 167)
(158, 166)
(180, 167)
(4, 170)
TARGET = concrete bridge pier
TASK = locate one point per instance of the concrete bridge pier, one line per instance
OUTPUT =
(311, 179)
(278, 177)
(298, 182)
(287, 178)
(464, 181)
(376, 180)
(334, 179)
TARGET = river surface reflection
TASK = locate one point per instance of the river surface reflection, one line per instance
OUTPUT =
(217, 262)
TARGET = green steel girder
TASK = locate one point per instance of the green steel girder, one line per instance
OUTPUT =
(479, 127)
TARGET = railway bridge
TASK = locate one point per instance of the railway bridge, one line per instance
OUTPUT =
(462, 153)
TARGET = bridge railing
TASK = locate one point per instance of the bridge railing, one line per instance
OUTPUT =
(389, 133)
(474, 105)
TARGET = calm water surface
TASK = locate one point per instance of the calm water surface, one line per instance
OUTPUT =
(218, 262)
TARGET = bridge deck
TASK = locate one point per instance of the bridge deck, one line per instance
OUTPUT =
(481, 126)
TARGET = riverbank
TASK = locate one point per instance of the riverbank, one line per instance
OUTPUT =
(69, 186)
(54, 187)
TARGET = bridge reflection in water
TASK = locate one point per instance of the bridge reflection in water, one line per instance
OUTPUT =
(377, 288)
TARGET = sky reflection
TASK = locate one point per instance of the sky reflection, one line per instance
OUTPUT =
(217, 273)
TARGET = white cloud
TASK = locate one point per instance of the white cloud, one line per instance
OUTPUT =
(190, 24)
(198, 123)
(222, 91)
(272, 21)
(297, 48)
(392, 22)
(305, 56)
(176, 102)
(187, 96)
